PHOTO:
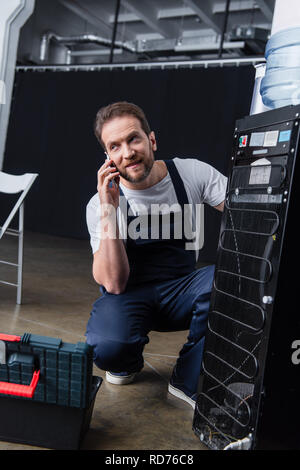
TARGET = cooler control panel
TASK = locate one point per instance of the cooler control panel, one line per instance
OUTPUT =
(265, 142)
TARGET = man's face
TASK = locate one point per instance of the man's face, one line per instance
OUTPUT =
(130, 148)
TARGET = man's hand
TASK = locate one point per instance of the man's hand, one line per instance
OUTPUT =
(220, 207)
(108, 190)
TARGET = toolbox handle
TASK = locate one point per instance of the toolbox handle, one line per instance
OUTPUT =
(20, 390)
(4, 337)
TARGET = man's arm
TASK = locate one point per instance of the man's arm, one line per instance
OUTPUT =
(110, 264)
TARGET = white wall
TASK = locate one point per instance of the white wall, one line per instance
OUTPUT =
(286, 15)
(13, 14)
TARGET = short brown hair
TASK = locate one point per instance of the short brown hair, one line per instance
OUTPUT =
(120, 108)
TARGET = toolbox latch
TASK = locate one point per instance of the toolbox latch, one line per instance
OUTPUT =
(20, 390)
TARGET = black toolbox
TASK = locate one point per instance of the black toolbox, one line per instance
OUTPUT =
(47, 391)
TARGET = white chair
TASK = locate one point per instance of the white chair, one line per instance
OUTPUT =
(14, 184)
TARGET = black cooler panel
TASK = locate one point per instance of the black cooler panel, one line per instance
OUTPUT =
(249, 384)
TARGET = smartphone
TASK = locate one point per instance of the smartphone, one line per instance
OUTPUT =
(113, 183)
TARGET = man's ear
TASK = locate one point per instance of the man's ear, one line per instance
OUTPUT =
(153, 141)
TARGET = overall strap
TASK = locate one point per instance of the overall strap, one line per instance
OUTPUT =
(177, 183)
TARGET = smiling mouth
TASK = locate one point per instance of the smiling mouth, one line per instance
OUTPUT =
(133, 165)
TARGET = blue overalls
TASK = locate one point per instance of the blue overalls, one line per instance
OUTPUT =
(164, 293)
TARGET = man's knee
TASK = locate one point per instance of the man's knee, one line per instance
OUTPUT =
(117, 331)
(107, 354)
(201, 304)
(206, 277)
(116, 355)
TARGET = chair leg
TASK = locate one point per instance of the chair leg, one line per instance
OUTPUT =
(20, 254)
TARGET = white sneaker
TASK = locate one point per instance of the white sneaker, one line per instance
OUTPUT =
(183, 396)
(120, 378)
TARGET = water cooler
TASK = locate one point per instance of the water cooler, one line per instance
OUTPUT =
(250, 380)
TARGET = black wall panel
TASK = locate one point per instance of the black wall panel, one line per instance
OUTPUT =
(192, 112)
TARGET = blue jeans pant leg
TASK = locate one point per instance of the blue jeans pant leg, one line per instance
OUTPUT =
(187, 305)
(117, 329)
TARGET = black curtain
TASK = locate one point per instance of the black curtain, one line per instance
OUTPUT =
(192, 112)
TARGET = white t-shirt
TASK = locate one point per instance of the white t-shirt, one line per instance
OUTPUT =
(202, 182)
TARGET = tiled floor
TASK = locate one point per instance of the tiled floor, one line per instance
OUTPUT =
(58, 291)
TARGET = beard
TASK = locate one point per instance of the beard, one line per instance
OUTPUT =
(138, 178)
(141, 177)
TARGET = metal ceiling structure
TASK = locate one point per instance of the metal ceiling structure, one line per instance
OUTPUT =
(77, 32)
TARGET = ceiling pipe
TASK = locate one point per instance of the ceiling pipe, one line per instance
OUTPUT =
(224, 28)
(113, 41)
(81, 39)
(236, 61)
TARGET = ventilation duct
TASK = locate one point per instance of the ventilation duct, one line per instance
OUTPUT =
(73, 40)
